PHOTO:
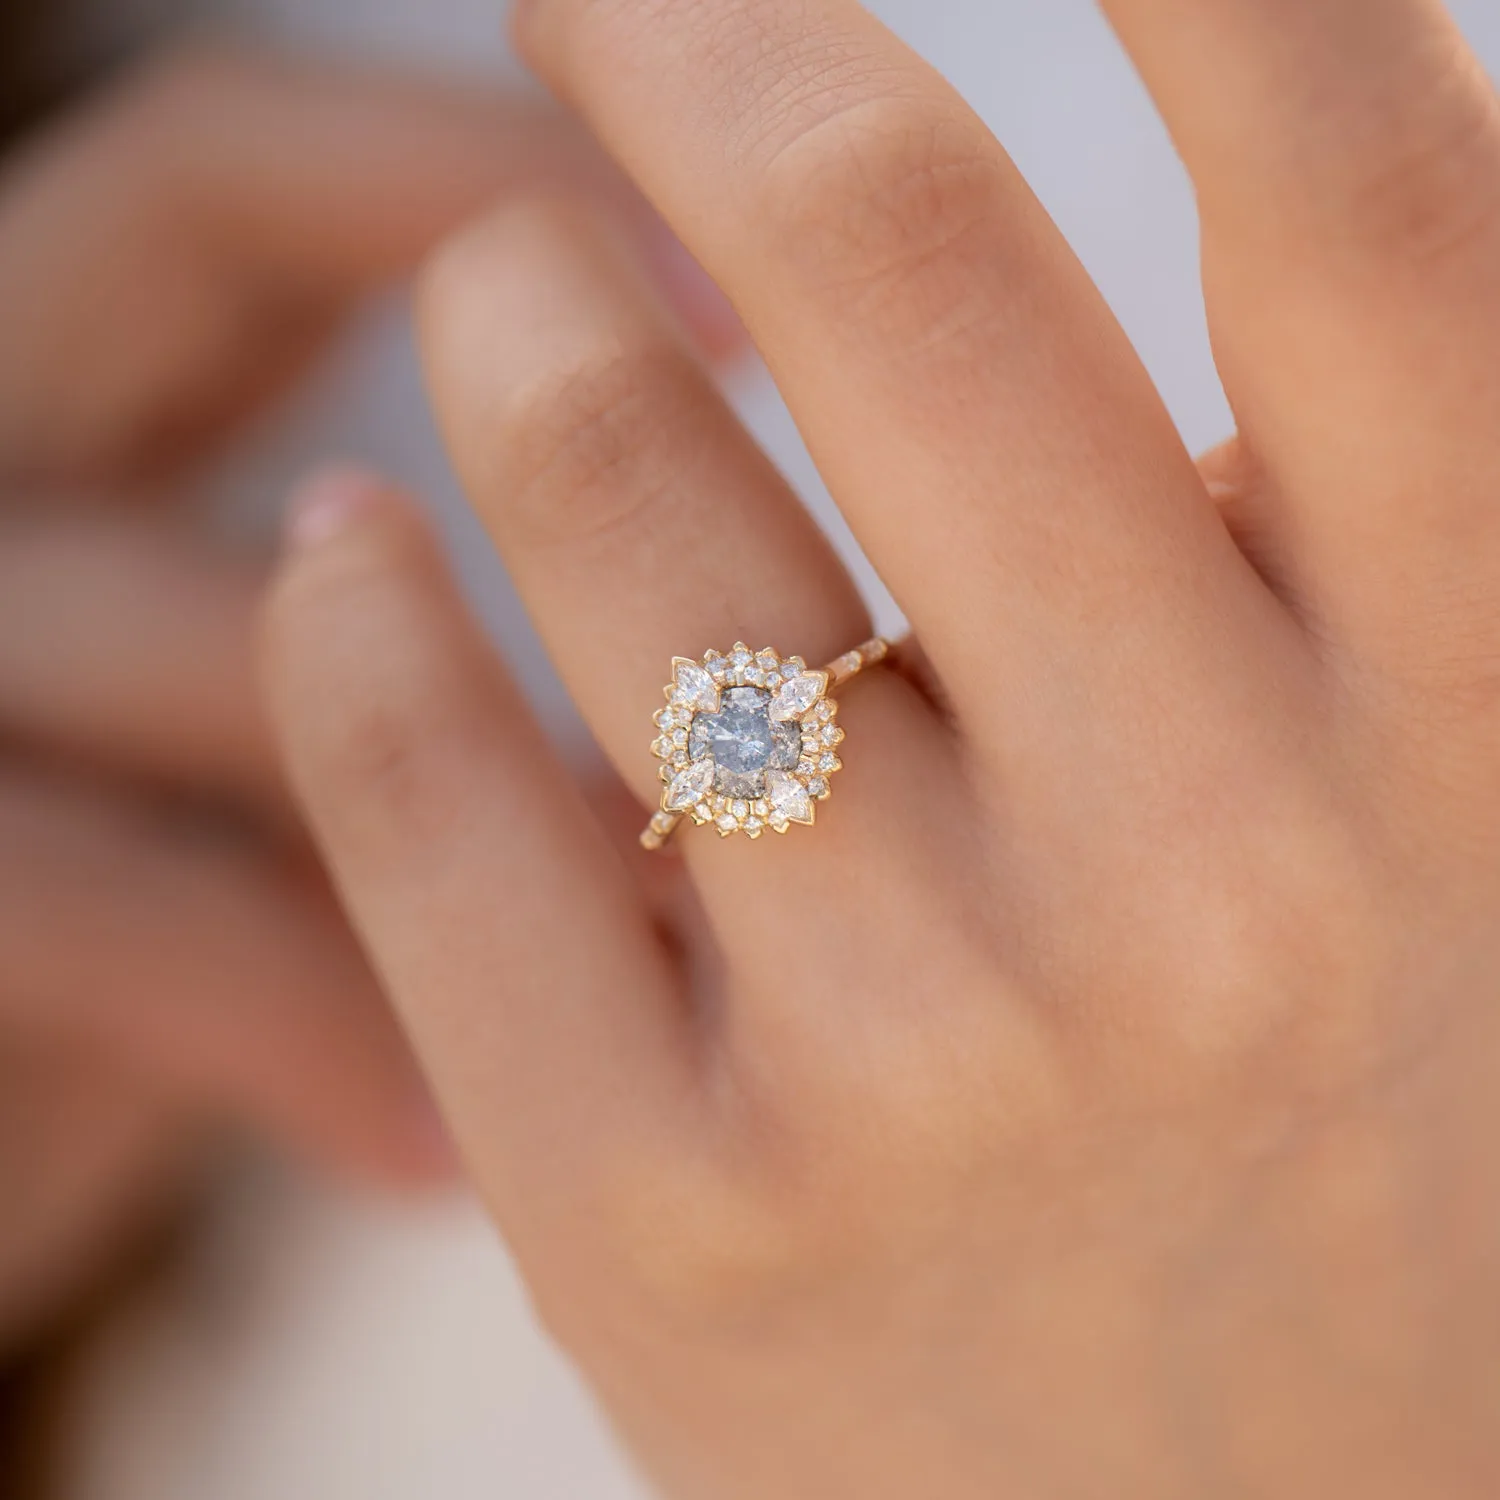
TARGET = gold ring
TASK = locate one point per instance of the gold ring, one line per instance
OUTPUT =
(748, 740)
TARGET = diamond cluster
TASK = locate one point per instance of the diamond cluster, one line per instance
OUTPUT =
(747, 740)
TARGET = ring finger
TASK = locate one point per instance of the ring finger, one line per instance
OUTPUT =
(638, 519)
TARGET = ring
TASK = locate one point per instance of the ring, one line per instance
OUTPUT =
(748, 740)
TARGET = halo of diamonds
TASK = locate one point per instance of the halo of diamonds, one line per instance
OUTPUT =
(796, 695)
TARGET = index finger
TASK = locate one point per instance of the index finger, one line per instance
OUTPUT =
(174, 250)
(127, 645)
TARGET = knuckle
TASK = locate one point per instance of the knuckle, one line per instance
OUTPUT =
(575, 442)
(886, 210)
(1432, 192)
(378, 753)
(708, 1252)
(585, 444)
(1288, 933)
(367, 708)
(692, 1249)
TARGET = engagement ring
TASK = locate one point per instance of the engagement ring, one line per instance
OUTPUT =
(749, 740)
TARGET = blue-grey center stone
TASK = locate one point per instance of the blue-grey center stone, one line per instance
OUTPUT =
(743, 741)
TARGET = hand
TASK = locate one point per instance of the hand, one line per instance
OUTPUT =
(1100, 1101)
(169, 955)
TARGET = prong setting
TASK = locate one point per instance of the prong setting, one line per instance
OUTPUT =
(745, 742)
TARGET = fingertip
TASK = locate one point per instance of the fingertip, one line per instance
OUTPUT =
(348, 537)
(331, 502)
(538, 259)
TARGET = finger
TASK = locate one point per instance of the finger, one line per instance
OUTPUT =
(186, 242)
(208, 966)
(1346, 155)
(128, 645)
(512, 937)
(89, 1155)
(640, 523)
(994, 441)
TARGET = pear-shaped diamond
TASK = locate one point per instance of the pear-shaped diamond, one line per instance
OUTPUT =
(689, 786)
(695, 688)
(797, 696)
(789, 799)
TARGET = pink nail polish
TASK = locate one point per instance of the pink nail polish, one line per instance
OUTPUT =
(328, 503)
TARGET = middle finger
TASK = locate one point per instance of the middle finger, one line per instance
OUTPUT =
(1000, 451)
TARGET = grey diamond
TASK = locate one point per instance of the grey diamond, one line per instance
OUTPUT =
(743, 742)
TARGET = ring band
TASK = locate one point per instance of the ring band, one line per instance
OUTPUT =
(748, 740)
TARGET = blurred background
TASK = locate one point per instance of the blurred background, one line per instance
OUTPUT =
(310, 1339)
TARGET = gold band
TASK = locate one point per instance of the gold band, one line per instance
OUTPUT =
(794, 714)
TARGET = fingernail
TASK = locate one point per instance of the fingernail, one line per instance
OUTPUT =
(329, 503)
(694, 294)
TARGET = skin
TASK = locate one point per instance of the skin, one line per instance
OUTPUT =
(171, 959)
(1100, 1101)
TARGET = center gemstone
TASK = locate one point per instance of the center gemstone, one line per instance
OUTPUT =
(743, 741)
